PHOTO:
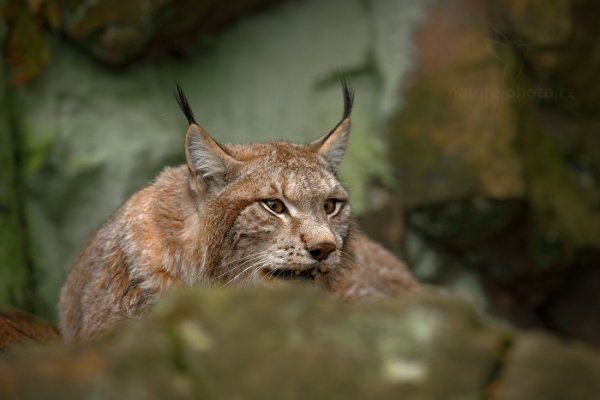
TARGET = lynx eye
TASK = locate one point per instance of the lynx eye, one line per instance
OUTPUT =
(330, 206)
(276, 206)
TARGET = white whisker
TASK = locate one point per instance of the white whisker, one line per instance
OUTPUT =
(259, 262)
(240, 263)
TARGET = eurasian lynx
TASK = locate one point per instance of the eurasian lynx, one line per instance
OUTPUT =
(235, 214)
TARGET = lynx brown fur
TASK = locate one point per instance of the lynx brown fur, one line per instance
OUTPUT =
(234, 215)
(18, 327)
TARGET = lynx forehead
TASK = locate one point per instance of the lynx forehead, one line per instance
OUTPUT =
(292, 172)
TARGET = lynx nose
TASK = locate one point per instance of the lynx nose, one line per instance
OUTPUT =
(320, 251)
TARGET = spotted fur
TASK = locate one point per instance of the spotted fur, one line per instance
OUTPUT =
(207, 222)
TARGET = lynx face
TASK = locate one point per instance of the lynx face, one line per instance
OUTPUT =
(276, 210)
(296, 227)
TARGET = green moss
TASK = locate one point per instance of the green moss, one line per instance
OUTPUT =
(541, 22)
(563, 208)
(427, 172)
(26, 48)
(15, 289)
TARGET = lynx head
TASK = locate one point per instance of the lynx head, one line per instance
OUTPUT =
(270, 211)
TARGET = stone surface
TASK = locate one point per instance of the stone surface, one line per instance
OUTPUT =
(540, 25)
(115, 33)
(273, 344)
(454, 136)
(24, 49)
(495, 146)
(15, 282)
(542, 367)
(229, 344)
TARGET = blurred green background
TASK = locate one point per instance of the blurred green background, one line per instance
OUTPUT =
(475, 150)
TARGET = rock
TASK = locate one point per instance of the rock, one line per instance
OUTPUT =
(540, 24)
(565, 207)
(564, 311)
(500, 112)
(539, 366)
(25, 48)
(557, 128)
(14, 274)
(454, 136)
(272, 344)
(117, 33)
(217, 343)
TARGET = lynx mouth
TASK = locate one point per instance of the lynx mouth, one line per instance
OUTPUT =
(291, 274)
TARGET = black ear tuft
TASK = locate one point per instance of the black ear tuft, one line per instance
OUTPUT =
(348, 103)
(348, 98)
(184, 105)
(333, 145)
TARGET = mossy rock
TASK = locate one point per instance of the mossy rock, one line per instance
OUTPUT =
(215, 343)
(117, 33)
(454, 137)
(296, 344)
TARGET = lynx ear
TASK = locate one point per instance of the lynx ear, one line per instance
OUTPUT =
(207, 158)
(333, 145)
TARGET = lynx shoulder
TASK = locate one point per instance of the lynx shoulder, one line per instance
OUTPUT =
(233, 214)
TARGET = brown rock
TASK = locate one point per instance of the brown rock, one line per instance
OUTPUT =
(454, 137)
(541, 367)
(539, 22)
(118, 32)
